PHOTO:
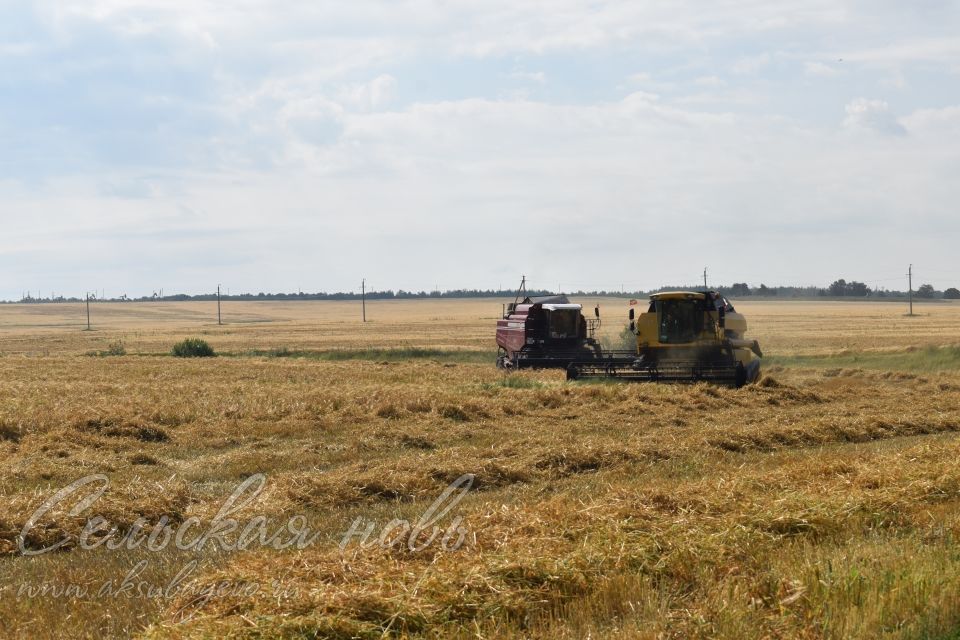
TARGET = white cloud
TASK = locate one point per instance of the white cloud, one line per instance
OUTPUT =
(751, 64)
(872, 115)
(315, 119)
(535, 77)
(895, 80)
(943, 123)
(709, 81)
(934, 49)
(820, 69)
(13, 49)
(370, 96)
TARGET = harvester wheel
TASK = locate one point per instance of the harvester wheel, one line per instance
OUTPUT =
(741, 376)
(573, 372)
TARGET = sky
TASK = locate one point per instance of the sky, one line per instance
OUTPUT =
(288, 145)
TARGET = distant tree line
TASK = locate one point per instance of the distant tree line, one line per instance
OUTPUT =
(838, 289)
(389, 294)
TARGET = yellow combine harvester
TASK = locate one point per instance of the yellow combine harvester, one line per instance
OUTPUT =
(684, 336)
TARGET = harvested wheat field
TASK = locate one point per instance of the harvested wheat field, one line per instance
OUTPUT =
(821, 502)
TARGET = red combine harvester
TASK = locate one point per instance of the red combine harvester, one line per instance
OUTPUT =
(545, 332)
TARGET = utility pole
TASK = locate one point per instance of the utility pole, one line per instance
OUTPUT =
(88, 311)
(705, 278)
(219, 317)
(910, 286)
(523, 288)
(363, 297)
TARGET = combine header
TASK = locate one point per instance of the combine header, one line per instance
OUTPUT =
(683, 336)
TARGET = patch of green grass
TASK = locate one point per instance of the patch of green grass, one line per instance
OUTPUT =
(114, 349)
(276, 352)
(513, 382)
(381, 355)
(950, 635)
(924, 359)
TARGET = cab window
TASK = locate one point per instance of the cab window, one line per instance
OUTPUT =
(680, 320)
(563, 323)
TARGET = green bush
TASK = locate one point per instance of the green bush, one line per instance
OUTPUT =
(115, 349)
(193, 348)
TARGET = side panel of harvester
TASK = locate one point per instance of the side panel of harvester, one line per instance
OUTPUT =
(512, 331)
